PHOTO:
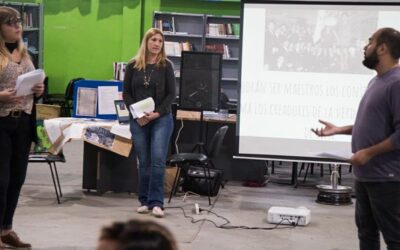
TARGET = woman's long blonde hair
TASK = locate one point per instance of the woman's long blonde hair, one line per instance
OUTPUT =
(6, 14)
(141, 57)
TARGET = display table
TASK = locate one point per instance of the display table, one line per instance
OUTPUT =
(107, 134)
(109, 163)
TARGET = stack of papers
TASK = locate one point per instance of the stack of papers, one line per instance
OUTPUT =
(138, 109)
(26, 82)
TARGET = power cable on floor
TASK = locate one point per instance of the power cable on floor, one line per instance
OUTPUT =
(226, 225)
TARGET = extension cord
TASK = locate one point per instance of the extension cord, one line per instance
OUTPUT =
(289, 216)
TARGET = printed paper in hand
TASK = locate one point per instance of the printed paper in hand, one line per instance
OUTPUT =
(26, 82)
(138, 109)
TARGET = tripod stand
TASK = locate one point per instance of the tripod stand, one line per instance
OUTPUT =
(200, 146)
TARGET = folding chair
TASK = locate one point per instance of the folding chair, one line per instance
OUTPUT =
(40, 152)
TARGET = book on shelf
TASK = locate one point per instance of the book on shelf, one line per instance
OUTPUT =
(27, 18)
(236, 29)
(186, 46)
(219, 48)
(165, 25)
(158, 24)
(221, 29)
(229, 30)
(176, 48)
(173, 24)
(119, 70)
(172, 48)
(212, 29)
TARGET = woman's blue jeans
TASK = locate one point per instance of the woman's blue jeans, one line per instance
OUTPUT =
(151, 145)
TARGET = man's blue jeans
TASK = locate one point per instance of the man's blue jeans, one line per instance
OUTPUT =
(378, 209)
(151, 145)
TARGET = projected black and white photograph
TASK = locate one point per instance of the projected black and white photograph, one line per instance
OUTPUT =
(317, 40)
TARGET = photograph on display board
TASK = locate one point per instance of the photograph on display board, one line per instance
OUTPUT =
(86, 102)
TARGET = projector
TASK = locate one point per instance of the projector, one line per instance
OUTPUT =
(289, 216)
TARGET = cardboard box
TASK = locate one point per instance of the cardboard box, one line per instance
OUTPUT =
(45, 111)
(169, 177)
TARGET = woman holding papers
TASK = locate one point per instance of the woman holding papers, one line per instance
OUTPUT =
(17, 122)
(151, 74)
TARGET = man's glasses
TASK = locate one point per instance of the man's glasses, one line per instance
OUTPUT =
(14, 21)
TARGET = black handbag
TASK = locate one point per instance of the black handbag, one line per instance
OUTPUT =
(196, 182)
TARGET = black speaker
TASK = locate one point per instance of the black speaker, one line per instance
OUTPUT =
(200, 81)
(196, 182)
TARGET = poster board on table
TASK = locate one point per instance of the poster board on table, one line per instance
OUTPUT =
(95, 99)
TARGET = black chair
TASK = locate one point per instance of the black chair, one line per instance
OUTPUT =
(185, 160)
(51, 160)
(40, 153)
(63, 100)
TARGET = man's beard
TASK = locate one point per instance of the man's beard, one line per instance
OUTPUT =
(371, 61)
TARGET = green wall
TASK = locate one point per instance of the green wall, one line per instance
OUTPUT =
(83, 37)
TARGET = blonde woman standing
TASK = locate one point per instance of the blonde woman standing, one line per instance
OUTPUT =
(17, 122)
(151, 74)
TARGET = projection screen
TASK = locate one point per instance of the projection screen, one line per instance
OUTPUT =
(300, 62)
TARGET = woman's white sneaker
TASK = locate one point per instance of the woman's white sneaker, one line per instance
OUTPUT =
(143, 210)
(157, 212)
